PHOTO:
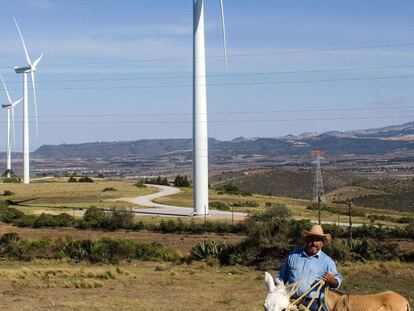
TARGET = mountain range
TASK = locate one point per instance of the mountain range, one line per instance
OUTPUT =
(379, 141)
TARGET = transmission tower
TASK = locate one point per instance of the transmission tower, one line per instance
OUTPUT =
(318, 192)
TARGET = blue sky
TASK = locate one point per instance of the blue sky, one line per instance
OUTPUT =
(121, 70)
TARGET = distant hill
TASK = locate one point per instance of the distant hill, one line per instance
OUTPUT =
(282, 182)
(362, 142)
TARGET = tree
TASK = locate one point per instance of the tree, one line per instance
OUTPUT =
(181, 181)
(8, 173)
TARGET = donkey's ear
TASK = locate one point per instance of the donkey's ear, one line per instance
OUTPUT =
(279, 283)
(269, 282)
(292, 288)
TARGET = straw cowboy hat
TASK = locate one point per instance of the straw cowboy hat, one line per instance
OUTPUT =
(317, 231)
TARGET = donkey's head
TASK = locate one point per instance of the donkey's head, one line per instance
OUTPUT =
(278, 297)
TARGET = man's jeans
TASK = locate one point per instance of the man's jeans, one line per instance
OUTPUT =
(315, 305)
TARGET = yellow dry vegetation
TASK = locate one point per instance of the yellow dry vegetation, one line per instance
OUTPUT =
(60, 285)
(60, 193)
(297, 206)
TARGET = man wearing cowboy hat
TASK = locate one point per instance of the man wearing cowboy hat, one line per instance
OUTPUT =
(310, 264)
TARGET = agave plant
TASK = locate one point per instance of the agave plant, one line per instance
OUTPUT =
(205, 249)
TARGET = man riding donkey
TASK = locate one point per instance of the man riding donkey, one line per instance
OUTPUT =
(309, 265)
(307, 270)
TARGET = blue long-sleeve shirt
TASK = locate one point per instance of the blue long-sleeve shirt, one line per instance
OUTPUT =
(307, 269)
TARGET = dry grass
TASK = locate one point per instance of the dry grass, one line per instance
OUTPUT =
(45, 285)
(297, 206)
(59, 193)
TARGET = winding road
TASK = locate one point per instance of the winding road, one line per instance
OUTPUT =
(156, 209)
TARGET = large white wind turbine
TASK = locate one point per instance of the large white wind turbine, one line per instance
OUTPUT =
(30, 68)
(200, 135)
(10, 108)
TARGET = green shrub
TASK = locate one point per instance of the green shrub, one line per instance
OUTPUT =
(11, 180)
(205, 249)
(26, 221)
(341, 210)
(233, 189)
(7, 193)
(121, 218)
(47, 220)
(108, 189)
(157, 181)
(85, 178)
(140, 184)
(181, 181)
(95, 218)
(9, 215)
(276, 211)
(72, 179)
(219, 206)
(245, 204)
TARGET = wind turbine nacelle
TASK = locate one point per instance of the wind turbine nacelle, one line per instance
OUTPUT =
(22, 69)
(6, 106)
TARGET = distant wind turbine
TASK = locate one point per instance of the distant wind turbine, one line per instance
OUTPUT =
(200, 135)
(9, 107)
(30, 68)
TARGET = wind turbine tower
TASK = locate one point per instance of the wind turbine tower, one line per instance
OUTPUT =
(200, 134)
(10, 108)
(29, 68)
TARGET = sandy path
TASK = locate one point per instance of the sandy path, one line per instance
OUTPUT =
(154, 209)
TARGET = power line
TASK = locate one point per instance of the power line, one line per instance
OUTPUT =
(292, 51)
(227, 84)
(245, 74)
(220, 113)
(230, 121)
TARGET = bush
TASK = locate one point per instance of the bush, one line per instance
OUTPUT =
(206, 249)
(121, 218)
(234, 190)
(72, 179)
(157, 181)
(245, 204)
(95, 218)
(9, 215)
(276, 211)
(47, 220)
(219, 206)
(85, 178)
(8, 193)
(108, 189)
(11, 180)
(26, 221)
(181, 181)
(341, 210)
(140, 184)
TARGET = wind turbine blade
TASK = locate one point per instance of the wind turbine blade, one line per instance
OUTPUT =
(35, 103)
(36, 62)
(13, 129)
(24, 45)
(223, 27)
(5, 88)
(17, 102)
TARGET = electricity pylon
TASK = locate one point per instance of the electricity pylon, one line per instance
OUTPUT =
(318, 192)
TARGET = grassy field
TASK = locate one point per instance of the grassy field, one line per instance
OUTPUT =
(45, 285)
(59, 193)
(297, 206)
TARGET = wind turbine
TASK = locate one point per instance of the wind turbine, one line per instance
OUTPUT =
(29, 68)
(200, 135)
(10, 108)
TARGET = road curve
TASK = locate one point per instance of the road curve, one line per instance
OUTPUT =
(156, 209)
